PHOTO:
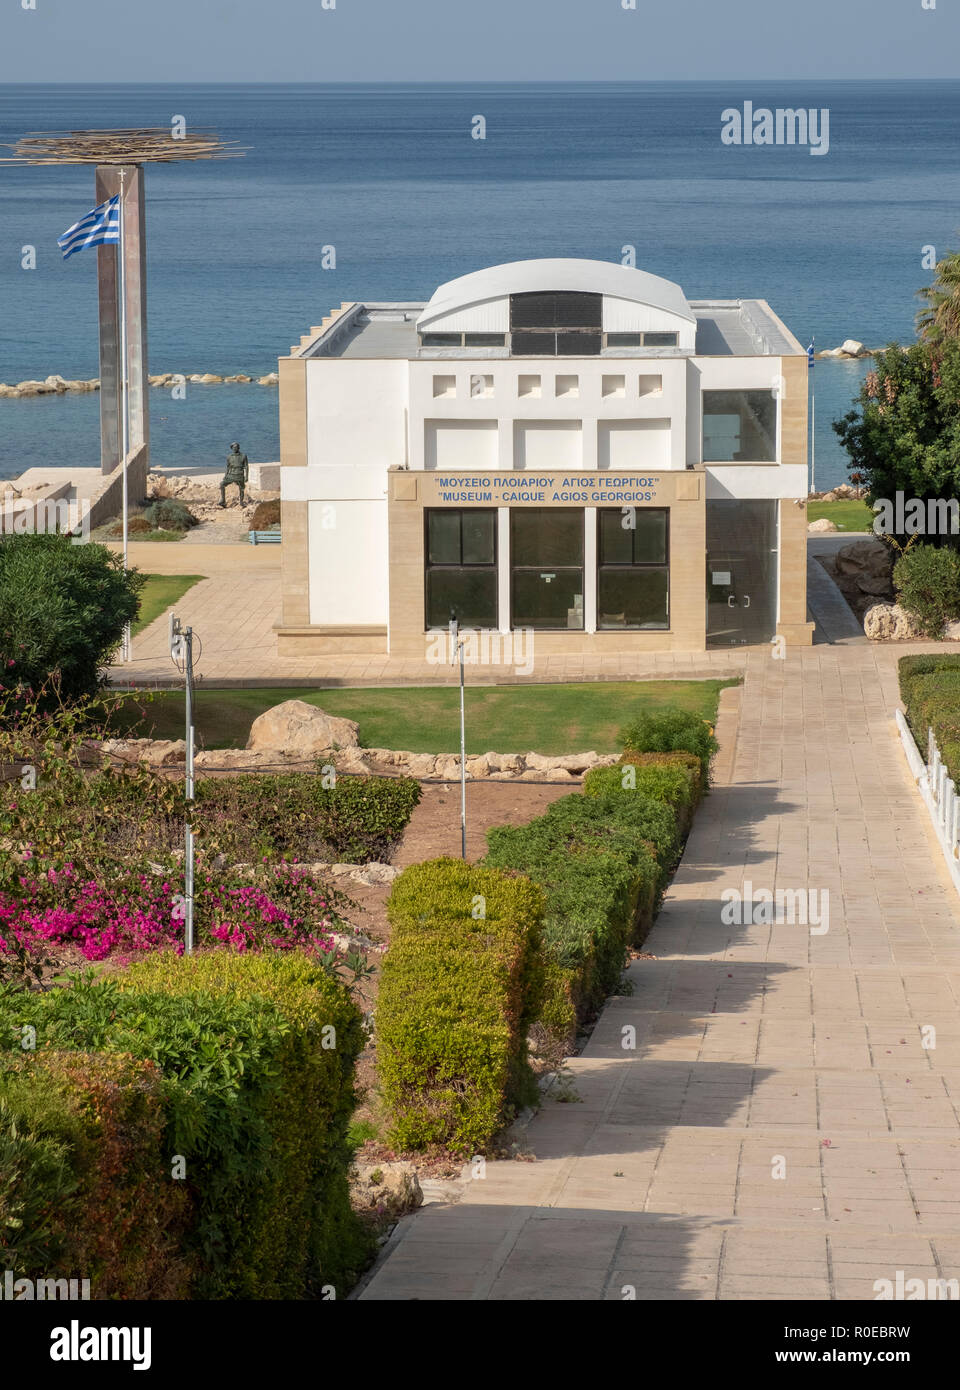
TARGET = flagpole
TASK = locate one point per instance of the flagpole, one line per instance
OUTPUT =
(124, 403)
(813, 414)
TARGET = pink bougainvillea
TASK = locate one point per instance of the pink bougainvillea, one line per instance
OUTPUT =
(145, 912)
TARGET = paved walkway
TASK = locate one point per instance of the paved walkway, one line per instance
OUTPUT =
(760, 1050)
(234, 609)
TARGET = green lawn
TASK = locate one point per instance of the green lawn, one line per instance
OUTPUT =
(549, 719)
(847, 514)
(160, 592)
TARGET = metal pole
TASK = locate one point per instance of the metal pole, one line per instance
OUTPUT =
(188, 836)
(124, 397)
(458, 652)
(813, 418)
(463, 766)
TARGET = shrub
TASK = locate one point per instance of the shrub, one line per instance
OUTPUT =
(141, 912)
(166, 514)
(602, 862)
(266, 516)
(927, 582)
(930, 690)
(256, 1056)
(660, 783)
(458, 993)
(86, 1191)
(295, 816)
(63, 609)
(136, 526)
(673, 731)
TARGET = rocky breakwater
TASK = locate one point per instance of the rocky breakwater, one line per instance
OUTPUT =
(60, 386)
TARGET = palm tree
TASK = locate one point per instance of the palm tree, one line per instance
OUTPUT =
(940, 321)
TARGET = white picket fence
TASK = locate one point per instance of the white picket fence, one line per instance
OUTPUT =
(939, 793)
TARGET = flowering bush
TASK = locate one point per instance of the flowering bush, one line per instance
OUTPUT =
(145, 912)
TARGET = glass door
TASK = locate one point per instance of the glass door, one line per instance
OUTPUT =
(742, 563)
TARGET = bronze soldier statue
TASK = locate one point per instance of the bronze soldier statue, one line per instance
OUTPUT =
(238, 471)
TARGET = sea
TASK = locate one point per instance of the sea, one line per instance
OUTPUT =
(392, 178)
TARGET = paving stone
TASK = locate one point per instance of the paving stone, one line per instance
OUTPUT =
(764, 1044)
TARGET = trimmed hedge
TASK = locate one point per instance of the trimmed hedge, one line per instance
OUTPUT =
(460, 986)
(603, 861)
(657, 776)
(257, 1096)
(294, 816)
(84, 1190)
(930, 691)
(672, 731)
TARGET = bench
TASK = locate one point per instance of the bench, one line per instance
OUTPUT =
(264, 537)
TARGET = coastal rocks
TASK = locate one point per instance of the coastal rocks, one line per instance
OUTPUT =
(888, 622)
(821, 527)
(850, 347)
(294, 727)
(50, 386)
(55, 385)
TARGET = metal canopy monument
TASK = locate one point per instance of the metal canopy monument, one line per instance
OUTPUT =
(119, 157)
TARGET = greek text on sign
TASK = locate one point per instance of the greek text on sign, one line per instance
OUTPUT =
(587, 489)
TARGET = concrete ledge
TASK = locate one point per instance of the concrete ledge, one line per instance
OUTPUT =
(331, 641)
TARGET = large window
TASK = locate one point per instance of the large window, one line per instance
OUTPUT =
(461, 554)
(546, 557)
(739, 427)
(633, 571)
(556, 325)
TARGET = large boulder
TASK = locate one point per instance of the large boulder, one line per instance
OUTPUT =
(823, 525)
(866, 559)
(888, 622)
(302, 730)
(850, 347)
(876, 585)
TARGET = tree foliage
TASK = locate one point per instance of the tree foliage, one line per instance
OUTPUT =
(63, 608)
(903, 434)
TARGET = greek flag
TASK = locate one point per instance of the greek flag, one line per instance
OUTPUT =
(810, 360)
(101, 227)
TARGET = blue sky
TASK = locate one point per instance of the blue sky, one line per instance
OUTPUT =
(465, 40)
